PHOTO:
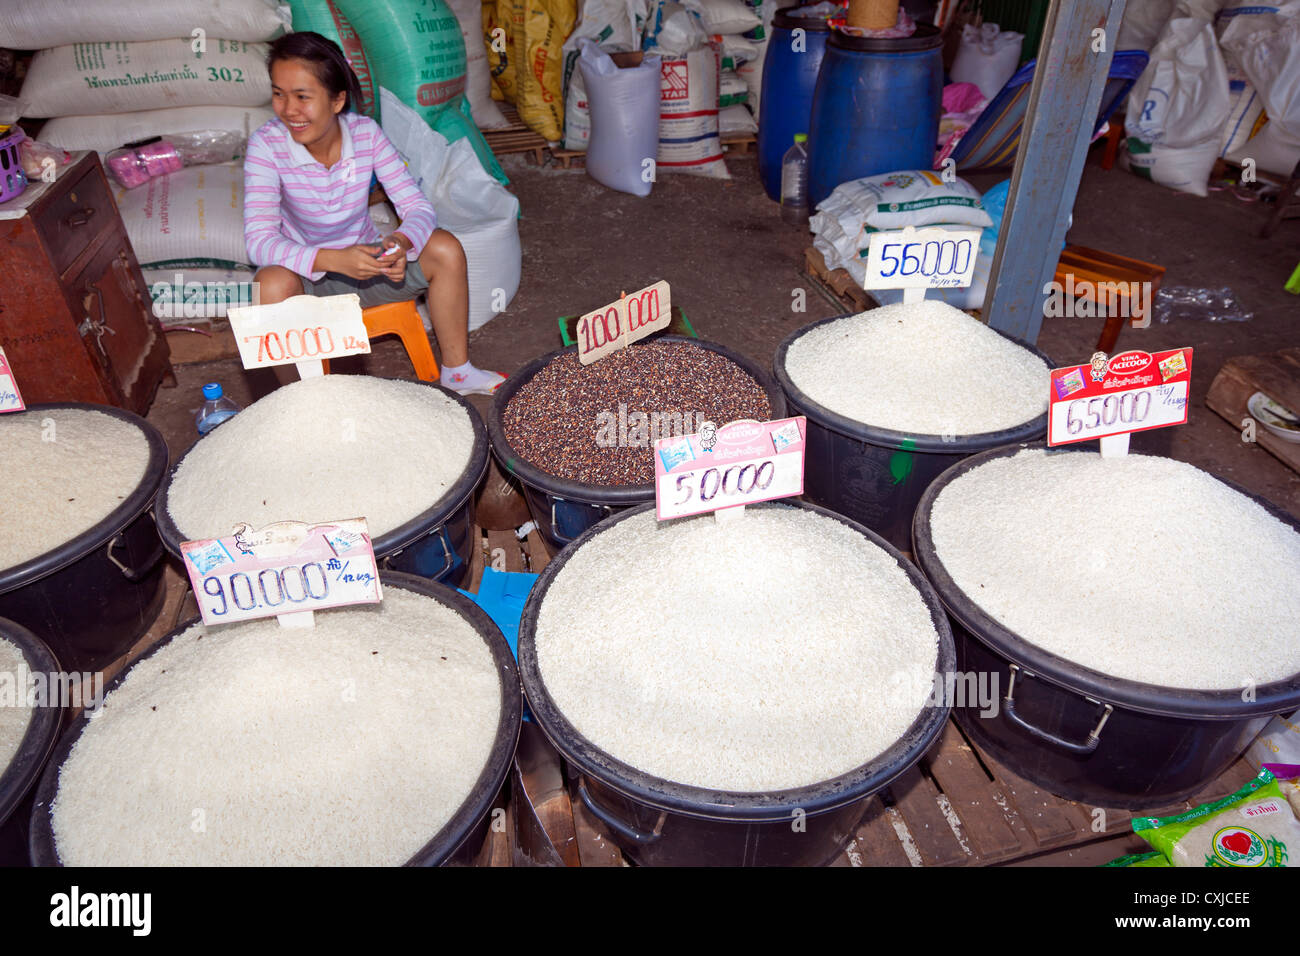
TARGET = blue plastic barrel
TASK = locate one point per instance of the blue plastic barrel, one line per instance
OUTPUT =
(875, 109)
(789, 79)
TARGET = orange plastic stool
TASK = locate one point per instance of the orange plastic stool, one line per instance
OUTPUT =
(402, 319)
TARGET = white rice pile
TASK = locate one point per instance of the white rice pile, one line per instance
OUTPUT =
(352, 743)
(15, 715)
(775, 651)
(926, 368)
(1139, 567)
(62, 471)
(322, 449)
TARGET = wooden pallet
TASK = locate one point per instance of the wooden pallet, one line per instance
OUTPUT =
(836, 283)
(1277, 375)
(957, 807)
(739, 144)
(515, 137)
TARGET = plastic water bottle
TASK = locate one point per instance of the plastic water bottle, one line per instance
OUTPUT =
(794, 181)
(216, 408)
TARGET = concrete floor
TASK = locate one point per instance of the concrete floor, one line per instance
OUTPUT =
(735, 269)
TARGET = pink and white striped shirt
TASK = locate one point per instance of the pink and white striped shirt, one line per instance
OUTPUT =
(294, 206)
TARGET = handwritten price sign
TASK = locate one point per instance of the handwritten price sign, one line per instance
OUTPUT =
(738, 464)
(284, 568)
(1133, 392)
(10, 399)
(922, 258)
(621, 323)
(304, 328)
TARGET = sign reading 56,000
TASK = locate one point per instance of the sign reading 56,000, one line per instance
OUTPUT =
(283, 568)
(929, 258)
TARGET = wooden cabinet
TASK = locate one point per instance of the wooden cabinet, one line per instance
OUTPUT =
(76, 318)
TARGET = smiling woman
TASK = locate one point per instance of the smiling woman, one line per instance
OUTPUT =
(307, 179)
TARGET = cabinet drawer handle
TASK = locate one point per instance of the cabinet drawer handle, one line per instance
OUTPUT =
(81, 216)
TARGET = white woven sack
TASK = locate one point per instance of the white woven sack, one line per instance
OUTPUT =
(123, 77)
(38, 24)
(104, 133)
(193, 217)
(478, 76)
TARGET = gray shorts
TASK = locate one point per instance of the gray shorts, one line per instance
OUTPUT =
(377, 291)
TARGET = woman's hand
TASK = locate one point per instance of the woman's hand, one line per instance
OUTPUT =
(356, 262)
(393, 265)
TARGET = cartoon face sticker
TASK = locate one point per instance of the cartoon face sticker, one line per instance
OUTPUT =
(1098, 366)
(708, 435)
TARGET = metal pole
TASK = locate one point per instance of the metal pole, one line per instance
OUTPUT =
(1063, 102)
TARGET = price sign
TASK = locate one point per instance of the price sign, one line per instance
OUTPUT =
(282, 569)
(1133, 392)
(737, 464)
(621, 323)
(304, 328)
(10, 398)
(929, 258)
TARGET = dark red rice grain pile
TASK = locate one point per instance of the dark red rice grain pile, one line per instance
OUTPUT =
(552, 422)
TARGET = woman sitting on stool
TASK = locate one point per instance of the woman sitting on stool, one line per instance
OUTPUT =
(306, 198)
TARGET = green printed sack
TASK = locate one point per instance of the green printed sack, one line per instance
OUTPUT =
(1253, 827)
(1150, 858)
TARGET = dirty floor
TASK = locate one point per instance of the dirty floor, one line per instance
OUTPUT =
(737, 271)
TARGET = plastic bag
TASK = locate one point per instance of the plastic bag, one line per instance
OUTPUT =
(40, 160)
(624, 120)
(724, 16)
(135, 166)
(1267, 47)
(1251, 828)
(1150, 858)
(1206, 305)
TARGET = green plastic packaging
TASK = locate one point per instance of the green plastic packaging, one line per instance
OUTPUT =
(1253, 827)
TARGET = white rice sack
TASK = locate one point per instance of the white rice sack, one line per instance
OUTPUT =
(739, 50)
(888, 368)
(910, 197)
(735, 120)
(149, 75)
(63, 471)
(724, 16)
(746, 673)
(347, 744)
(480, 212)
(104, 133)
(35, 26)
(478, 78)
(1178, 108)
(15, 715)
(613, 25)
(193, 217)
(1278, 742)
(1176, 580)
(732, 90)
(337, 446)
(688, 116)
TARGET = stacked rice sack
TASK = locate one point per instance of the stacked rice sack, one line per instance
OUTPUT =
(121, 71)
(736, 30)
(526, 56)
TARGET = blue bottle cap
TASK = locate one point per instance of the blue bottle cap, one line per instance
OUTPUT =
(212, 391)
